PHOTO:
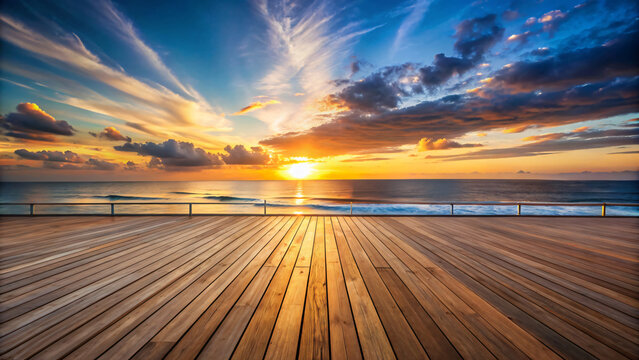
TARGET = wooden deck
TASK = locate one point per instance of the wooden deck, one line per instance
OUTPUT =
(252, 287)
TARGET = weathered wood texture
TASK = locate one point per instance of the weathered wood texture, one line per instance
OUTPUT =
(319, 287)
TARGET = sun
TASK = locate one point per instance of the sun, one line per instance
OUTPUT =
(300, 170)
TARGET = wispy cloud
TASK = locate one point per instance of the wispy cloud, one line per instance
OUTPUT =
(256, 106)
(555, 142)
(123, 27)
(147, 102)
(17, 84)
(307, 43)
(418, 9)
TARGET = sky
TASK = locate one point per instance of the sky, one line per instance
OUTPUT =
(202, 90)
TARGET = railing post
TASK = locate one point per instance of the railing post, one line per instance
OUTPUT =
(112, 209)
(518, 209)
(603, 209)
(31, 209)
(264, 207)
(351, 208)
(452, 209)
(190, 209)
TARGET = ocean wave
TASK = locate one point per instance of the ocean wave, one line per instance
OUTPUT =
(126, 197)
(366, 209)
(331, 199)
(459, 209)
(230, 198)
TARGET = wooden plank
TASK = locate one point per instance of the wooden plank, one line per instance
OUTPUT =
(431, 337)
(314, 341)
(255, 339)
(284, 340)
(252, 287)
(63, 269)
(372, 335)
(558, 282)
(107, 313)
(193, 327)
(306, 251)
(60, 322)
(587, 270)
(209, 308)
(132, 249)
(564, 328)
(344, 341)
(37, 253)
(285, 337)
(507, 293)
(31, 259)
(463, 339)
(403, 339)
(227, 336)
(573, 302)
(492, 327)
(24, 275)
(81, 284)
(153, 313)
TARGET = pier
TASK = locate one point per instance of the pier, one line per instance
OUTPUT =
(319, 287)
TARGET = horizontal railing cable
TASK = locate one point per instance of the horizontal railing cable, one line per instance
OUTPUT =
(112, 205)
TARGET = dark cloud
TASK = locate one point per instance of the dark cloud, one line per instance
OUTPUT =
(590, 139)
(61, 166)
(130, 165)
(340, 82)
(32, 123)
(239, 155)
(112, 134)
(377, 92)
(476, 36)
(426, 144)
(45, 155)
(97, 164)
(454, 116)
(173, 154)
(617, 58)
(601, 33)
(552, 20)
(67, 160)
(443, 69)
(384, 90)
(91, 164)
(28, 136)
(155, 163)
(355, 67)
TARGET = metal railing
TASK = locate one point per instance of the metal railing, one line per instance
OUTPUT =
(112, 204)
(604, 205)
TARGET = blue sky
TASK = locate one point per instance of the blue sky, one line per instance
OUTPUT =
(284, 78)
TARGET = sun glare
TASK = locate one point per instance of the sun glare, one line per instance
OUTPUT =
(300, 170)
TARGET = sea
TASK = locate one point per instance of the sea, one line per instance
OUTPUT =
(323, 197)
